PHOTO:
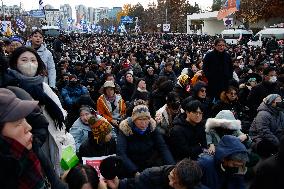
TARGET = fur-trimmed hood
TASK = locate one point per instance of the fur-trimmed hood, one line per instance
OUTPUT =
(212, 123)
(125, 126)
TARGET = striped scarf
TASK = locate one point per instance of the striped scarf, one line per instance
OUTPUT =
(29, 174)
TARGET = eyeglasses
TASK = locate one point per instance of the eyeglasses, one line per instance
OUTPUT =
(203, 90)
(232, 93)
(197, 113)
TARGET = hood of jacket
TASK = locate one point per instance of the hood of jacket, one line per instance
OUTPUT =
(227, 146)
(194, 90)
(212, 123)
(267, 108)
(126, 129)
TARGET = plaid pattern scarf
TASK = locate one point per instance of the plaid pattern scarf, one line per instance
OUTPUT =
(30, 174)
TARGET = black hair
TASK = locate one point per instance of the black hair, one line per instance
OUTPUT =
(80, 175)
(231, 88)
(18, 52)
(138, 80)
(218, 40)
(173, 100)
(193, 105)
(189, 173)
(37, 31)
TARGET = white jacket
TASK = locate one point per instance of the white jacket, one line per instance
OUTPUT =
(58, 139)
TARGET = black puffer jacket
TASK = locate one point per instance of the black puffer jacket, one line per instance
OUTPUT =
(269, 174)
(186, 140)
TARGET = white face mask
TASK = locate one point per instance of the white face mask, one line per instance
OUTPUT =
(273, 79)
(28, 69)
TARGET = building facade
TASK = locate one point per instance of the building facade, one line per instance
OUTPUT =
(65, 14)
(52, 16)
(81, 13)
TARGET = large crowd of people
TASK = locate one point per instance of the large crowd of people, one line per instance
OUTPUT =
(176, 111)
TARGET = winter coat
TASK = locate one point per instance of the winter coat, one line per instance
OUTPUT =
(140, 151)
(205, 102)
(71, 94)
(57, 139)
(186, 140)
(127, 91)
(20, 167)
(181, 91)
(269, 173)
(170, 75)
(90, 148)
(163, 121)
(258, 93)
(218, 69)
(47, 58)
(224, 104)
(152, 178)
(216, 128)
(268, 125)
(150, 80)
(213, 176)
(40, 133)
(104, 108)
(79, 131)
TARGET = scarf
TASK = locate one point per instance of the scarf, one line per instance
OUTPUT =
(29, 174)
(33, 85)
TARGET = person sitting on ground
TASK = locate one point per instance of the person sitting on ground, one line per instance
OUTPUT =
(227, 167)
(187, 137)
(268, 126)
(111, 105)
(186, 174)
(80, 127)
(100, 141)
(139, 143)
(224, 123)
(166, 115)
(84, 177)
(20, 167)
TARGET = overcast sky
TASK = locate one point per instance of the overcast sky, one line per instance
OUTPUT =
(33, 4)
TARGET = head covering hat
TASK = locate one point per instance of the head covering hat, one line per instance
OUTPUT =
(100, 128)
(140, 111)
(109, 84)
(12, 108)
(270, 98)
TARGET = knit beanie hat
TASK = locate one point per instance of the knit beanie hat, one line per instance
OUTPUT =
(100, 128)
(270, 98)
(140, 111)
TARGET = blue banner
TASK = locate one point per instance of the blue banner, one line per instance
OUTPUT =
(126, 19)
(37, 13)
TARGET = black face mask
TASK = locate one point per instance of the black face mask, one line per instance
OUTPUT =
(72, 83)
(231, 170)
(280, 106)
